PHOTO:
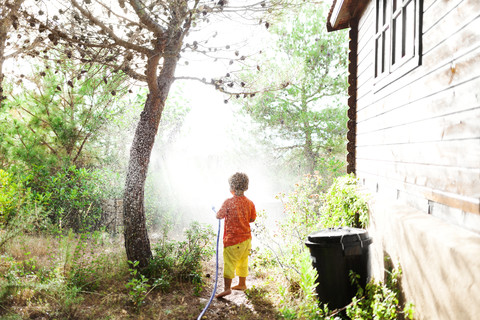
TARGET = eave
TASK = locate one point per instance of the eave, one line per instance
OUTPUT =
(342, 12)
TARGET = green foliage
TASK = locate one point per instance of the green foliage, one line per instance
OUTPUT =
(182, 260)
(306, 119)
(309, 208)
(83, 267)
(50, 129)
(330, 168)
(302, 206)
(72, 194)
(344, 205)
(19, 212)
(308, 275)
(137, 285)
(379, 300)
(12, 196)
(56, 123)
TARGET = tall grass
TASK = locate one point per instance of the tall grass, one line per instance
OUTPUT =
(49, 275)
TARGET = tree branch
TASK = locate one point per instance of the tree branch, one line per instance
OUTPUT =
(204, 81)
(81, 147)
(117, 15)
(87, 14)
(151, 25)
(290, 147)
(22, 50)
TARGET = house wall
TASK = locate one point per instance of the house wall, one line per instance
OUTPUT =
(418, 153)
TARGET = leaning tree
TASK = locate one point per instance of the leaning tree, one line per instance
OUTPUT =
(145, 39)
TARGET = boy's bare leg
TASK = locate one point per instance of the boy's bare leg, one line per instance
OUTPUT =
(227, 290)
(241, 284)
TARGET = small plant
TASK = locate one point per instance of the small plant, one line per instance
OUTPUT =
(308, 276)
(137, 286)
(379, 300)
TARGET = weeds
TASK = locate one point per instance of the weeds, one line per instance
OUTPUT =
(379, 300)
(137, 286)
(182, 260)
(55, 274)
(84, 265)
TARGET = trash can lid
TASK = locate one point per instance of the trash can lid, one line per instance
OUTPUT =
(338, 235)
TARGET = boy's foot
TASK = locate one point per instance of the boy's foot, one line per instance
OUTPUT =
(239, 287)
(223, 294)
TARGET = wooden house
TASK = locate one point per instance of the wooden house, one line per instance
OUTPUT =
(414, 143)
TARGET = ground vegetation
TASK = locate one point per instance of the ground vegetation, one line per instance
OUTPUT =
(66, 275)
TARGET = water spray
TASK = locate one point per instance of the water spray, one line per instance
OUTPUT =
(216, 269)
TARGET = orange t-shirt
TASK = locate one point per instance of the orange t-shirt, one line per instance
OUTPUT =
(238, 212)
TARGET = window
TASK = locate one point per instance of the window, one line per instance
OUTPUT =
(397, 37)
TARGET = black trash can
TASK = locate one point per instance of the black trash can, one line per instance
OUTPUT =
(334, 253)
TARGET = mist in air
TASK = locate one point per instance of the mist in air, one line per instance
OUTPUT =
(214, 141)
(191, 172)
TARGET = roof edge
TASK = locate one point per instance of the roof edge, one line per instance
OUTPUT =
(342, 12)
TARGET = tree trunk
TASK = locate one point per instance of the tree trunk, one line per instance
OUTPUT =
(2, 49)
(3, 39)
(310, 156)
(6, 24)
(137, 243)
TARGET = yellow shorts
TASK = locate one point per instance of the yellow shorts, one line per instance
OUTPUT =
(235, 259)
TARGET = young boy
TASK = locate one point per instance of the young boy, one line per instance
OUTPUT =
(238, 212)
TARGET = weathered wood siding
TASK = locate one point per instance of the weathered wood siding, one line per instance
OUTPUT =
(417, 149)
(418, 138)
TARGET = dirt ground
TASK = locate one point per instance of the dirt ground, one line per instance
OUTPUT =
(236, 305)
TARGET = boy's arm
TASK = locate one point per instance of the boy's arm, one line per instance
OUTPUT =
(253, 213)
(222, 212)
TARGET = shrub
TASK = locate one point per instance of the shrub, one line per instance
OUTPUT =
(379, 300)
(72, 194)
(13, 195)
(137, 286)
(19, 213)
(344, 205)
(182, 260)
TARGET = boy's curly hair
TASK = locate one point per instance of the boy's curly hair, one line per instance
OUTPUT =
(238, 182)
